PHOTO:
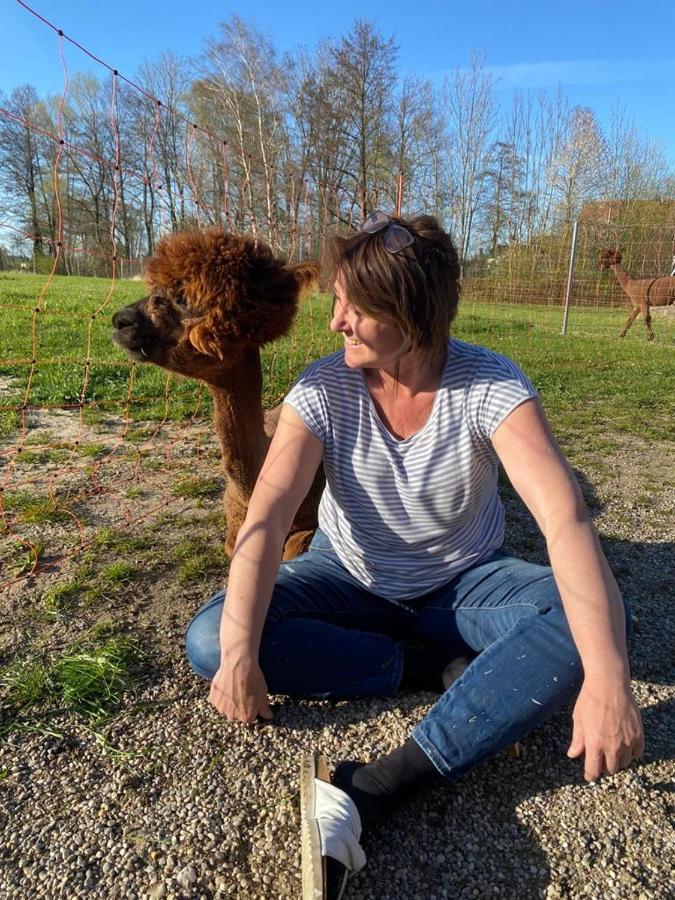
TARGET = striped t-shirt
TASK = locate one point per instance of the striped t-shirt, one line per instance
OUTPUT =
(405, 516)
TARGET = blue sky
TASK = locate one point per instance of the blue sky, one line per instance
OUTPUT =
(600, 52)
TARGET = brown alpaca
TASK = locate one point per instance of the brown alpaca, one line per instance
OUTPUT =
(213, 300)
(643, 293)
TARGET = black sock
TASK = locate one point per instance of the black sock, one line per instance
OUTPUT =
(430, 669)
(379, 787)
(423, 668)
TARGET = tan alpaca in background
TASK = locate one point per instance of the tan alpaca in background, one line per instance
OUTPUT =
(643, 293)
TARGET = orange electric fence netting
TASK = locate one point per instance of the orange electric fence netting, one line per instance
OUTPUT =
(64, 461)
(75, 457)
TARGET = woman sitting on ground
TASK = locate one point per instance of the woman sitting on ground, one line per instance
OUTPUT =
(410, 426)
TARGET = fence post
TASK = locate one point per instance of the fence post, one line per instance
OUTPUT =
(568, 293)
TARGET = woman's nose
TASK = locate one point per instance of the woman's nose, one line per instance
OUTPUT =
(337, 322)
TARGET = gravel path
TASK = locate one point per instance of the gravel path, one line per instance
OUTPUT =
(171, 801)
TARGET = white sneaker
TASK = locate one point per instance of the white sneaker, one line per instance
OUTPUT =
(330, 833)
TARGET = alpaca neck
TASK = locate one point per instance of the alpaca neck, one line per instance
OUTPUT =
(622, 276)
(238, 418)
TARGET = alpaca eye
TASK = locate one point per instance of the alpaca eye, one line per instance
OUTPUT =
(181, 301)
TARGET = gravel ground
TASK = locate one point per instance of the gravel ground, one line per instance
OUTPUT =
(169, 800)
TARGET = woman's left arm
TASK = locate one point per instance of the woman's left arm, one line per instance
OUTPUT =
(607, 723)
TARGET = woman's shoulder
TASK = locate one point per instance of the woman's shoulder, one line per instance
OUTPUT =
(322, 374)
(324, 366)
(480, 359)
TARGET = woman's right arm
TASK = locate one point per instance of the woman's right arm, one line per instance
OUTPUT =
(238, 689)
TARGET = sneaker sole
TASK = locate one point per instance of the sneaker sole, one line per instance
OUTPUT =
(313, 888)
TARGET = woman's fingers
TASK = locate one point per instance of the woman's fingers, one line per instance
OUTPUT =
(240, 699)
(594, 764)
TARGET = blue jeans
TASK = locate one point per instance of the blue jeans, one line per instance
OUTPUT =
(326, 635)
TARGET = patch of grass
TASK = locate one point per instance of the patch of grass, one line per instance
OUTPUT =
(133, 493)
(107, 582)
(89, 677)
(153, 464)
(197, 564)
(10, 422)
(36, 508)
(23, 558)
(25, 682)
(119, 541)
(117, 573)
(92, 450)
(59, 599)
(138, 435)
(39, 457)
(198, 487)
(91, 583)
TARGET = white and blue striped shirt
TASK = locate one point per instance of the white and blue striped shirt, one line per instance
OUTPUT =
(405, 516)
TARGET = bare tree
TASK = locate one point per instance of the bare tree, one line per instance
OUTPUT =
(470, 101)
(363, 66)
(577, 169)
(241, 72)
(21, 162)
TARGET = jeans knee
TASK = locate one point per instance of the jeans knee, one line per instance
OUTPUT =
(202, 645)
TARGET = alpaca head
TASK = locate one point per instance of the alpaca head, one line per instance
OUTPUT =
(211, 295)
(609, 258)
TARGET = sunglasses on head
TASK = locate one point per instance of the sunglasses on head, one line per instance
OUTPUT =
(395, 238)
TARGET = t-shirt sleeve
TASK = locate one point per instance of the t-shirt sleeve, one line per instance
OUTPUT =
(308, 399)
(499, 386)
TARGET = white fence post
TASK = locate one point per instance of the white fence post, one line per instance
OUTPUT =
(568, 293)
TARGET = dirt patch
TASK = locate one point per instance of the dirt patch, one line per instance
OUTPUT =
(92, 496)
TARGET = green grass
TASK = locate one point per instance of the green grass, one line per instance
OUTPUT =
(36, 508)
(21, 558)
(89, 677)
(589, 379)
(199, 487)
(197, 562)
(94, 580)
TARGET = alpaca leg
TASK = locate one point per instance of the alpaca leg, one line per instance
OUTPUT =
(297, 543)
(646, 312)
(635, 312)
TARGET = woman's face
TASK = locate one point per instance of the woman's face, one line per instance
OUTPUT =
(368, 343)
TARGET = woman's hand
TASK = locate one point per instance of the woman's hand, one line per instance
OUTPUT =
(239, 690)
(607, 729)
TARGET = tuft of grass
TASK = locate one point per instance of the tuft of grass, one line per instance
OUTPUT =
(194, 564)
(119, 541)
(92, 678)
(89, 677)
(59, 599)
(106, 582)
(198, 487)
(92, 450)
(25, 682)
(36, 508)
(24, 558)
(41, 457)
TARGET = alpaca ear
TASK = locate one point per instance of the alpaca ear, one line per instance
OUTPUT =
(201, 337)
(307, 276)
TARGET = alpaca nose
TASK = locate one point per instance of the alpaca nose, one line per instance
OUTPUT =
(124, 317)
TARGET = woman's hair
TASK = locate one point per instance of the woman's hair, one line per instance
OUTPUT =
(416, 288)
